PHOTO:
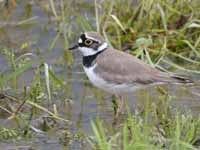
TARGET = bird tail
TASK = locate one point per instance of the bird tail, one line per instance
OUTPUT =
(181, 80)
(173, 78)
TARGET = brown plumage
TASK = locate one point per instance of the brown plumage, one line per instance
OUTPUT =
(120, 67)
(96, 36)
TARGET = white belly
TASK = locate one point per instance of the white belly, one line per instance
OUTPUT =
(106, 86)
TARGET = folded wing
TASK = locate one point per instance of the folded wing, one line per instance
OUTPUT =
(119, 67)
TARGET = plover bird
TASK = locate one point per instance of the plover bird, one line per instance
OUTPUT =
(118, 72)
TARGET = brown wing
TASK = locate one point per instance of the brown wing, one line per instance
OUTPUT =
(119, 67)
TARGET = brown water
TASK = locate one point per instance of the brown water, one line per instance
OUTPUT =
(79, 102)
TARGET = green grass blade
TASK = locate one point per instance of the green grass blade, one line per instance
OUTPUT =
(47, 80)
(15, 73)
(52, 4)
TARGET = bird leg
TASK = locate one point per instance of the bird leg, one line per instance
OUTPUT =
(115, 104)
(120, 106)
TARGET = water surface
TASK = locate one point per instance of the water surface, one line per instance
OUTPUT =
(79, 102)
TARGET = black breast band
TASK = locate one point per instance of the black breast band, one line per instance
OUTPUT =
(88, 60)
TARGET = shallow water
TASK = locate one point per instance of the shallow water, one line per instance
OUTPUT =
(79, 102)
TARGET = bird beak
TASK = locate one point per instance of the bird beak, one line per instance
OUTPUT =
(73, 47)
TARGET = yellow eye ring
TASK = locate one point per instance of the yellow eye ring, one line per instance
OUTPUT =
(88, 42)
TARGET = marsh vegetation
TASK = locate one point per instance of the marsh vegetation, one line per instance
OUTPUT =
(46, 101)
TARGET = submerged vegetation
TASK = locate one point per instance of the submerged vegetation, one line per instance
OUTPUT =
(163, 33)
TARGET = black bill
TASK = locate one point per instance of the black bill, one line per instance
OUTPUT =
(74, 47)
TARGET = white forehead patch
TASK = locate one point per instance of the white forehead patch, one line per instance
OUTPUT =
(80, 40)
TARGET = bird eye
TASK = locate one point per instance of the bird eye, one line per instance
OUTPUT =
(88, 42)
